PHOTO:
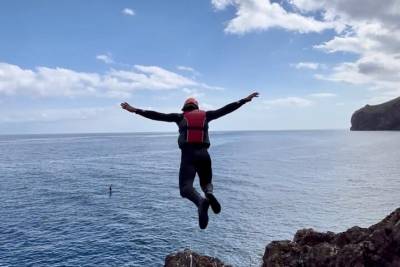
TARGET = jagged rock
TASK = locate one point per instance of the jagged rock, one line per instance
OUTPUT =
(385, 116)
(375, 246)
(378, 245)
(188, 258)
(310, 237)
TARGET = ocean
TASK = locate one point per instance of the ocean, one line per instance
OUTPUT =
(56, 209)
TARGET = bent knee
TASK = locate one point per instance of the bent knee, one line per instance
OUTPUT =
(185, 191)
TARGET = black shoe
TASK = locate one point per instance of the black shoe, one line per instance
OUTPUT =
(216, 207)
(203, 213)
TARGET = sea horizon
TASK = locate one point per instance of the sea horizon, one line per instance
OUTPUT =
(171, 132)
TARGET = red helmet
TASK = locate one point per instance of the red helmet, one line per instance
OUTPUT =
(190, 102)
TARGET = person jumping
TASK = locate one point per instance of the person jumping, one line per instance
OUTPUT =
(194, 142)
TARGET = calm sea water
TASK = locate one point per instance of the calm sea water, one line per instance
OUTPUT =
(55, 209)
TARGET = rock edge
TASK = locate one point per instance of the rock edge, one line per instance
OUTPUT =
(377, 245)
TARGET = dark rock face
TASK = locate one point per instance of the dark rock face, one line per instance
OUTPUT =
(385, 116)
(188, 258)
(378, 245)
(375, 246)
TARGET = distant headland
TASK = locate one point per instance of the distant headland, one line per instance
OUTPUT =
(382, 117)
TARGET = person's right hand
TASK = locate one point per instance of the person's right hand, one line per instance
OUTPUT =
(128, 107)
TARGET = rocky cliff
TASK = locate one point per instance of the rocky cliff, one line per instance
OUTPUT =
(385, 116)
(377, 245)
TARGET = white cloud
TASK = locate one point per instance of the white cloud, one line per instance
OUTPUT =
(369, 29)
(288, 102)
(106, 58)
(256, 15)
(296, 102)
(47, 82)
(185, 68)
(307, 5)
(372, 33)
(192, 92)
(188, 69)
(221, 4)
(53, 115)
(378, 65)
(308, 65)
(150, 77)
(362, 38)
(128, 12)
(377, 70)
(323, 95)
(386, 11)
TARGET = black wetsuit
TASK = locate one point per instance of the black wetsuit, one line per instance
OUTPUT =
(195, 157)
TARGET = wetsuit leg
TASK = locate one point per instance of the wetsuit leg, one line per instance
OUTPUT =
(204, 170)
(187, 173)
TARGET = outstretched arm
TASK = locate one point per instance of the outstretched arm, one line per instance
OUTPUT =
(153, 115)
(215, 114)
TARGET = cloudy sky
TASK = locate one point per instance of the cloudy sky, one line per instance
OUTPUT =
(66, 65)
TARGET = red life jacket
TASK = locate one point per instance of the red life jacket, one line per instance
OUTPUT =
(195, 120)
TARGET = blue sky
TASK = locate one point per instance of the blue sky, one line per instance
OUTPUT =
(66, 65)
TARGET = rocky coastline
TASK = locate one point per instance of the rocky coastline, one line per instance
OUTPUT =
(377, 245)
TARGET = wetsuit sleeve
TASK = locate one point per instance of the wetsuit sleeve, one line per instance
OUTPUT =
(158, 116)
(215, 114)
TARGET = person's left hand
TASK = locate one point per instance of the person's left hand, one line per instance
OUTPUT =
(250, 97)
